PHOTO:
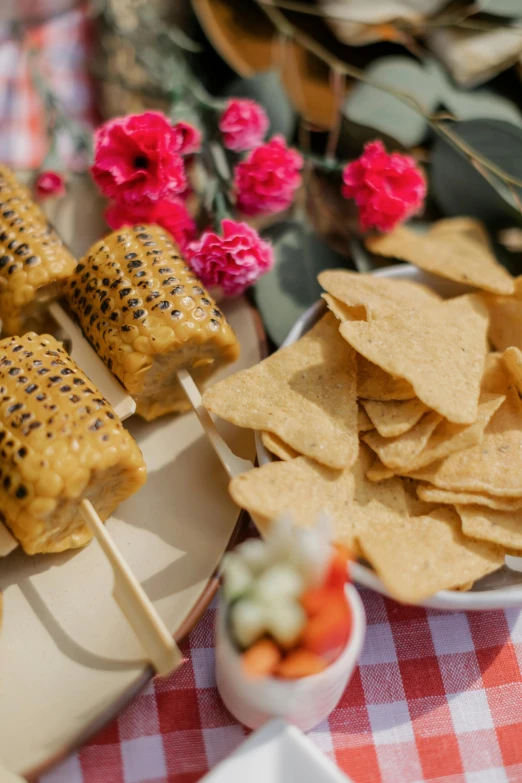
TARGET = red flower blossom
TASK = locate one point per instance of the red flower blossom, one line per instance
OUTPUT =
(172, 215)
(137, 158)
(387, 188)
(49, 183)
(266, 181)
(244, 124)
(234, 261)
(189, 138)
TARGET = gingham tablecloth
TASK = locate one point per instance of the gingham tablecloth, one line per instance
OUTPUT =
(437, 697)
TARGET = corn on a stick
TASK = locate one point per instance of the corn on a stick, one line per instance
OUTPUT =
(60, 442)
(66, 461)
(33, 260)
(147, 316)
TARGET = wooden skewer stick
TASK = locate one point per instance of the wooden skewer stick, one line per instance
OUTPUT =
(233, 464)
(132, 599)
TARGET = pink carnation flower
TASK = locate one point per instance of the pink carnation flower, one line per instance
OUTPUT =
(266, 181)
(172, 215)
(387, 188)
(189, 138)
(234, 261)
(244, 124)
(49, 183)
(136, 158)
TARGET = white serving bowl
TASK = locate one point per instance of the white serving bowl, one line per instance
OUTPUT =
(499, 590)
(305, 702)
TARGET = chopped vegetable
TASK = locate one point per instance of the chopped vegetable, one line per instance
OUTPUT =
(300, 663)
(248, 621)
(261, 659)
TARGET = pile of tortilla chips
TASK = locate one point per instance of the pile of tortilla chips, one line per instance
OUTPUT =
(399, 414)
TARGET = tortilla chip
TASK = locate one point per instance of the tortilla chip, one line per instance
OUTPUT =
(305, 394)
(416, 506)
(513, 359)
(304, 489)
(378, 472)
(278, 447)
(505, 318)
(418, 556)
(394, 417)
(486, 524)
(457, 249)
(401, 452)
(494, 466)
(376, 384)
(344, 312)
(364, 423)
(439, 348)
(372, 295)
(434, 495)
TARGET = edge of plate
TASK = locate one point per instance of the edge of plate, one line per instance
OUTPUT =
(450, 600)
(190, 621)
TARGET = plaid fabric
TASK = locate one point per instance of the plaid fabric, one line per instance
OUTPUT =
(436, 697)
(60, 49)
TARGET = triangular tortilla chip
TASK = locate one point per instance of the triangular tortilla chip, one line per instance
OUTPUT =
(505, 318)
(513, 359)
(416, 506)
(499, 527)
(278, 447)
(364, 423)
(401, 452)
(305, 394)
(445, 496)
(343, 311)
(377, 295)
(378, 472)
(439, 348)
(394, 417)
(304, 489)
(419, 556)
(494, 466)
(376, 384)
(454, 248)
(420, 446)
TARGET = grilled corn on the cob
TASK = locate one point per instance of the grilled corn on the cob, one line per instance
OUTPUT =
(33, 259)
(60, 442)
(147, 316)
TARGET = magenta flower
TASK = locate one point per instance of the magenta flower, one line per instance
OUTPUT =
(49, 183)
(387, 188)
(189, 138)
(233, 261)
(172, 215)
(244, 124)
(266, 181)
(137, 158)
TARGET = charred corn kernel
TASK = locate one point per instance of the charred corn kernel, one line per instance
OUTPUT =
(33, 260)
(148, 316)
(60, 442)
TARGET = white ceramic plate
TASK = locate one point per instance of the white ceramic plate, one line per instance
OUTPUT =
(68, 660)
(496, 591)
(276, 753)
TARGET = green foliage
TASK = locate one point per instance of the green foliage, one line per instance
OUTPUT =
(291, 286)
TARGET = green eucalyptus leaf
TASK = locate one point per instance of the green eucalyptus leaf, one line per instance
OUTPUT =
(369, 106)
(266, 88)
(460, 189)
(284, 293)
(511, 8)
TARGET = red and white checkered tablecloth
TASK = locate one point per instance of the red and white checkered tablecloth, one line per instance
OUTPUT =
(437, 697)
